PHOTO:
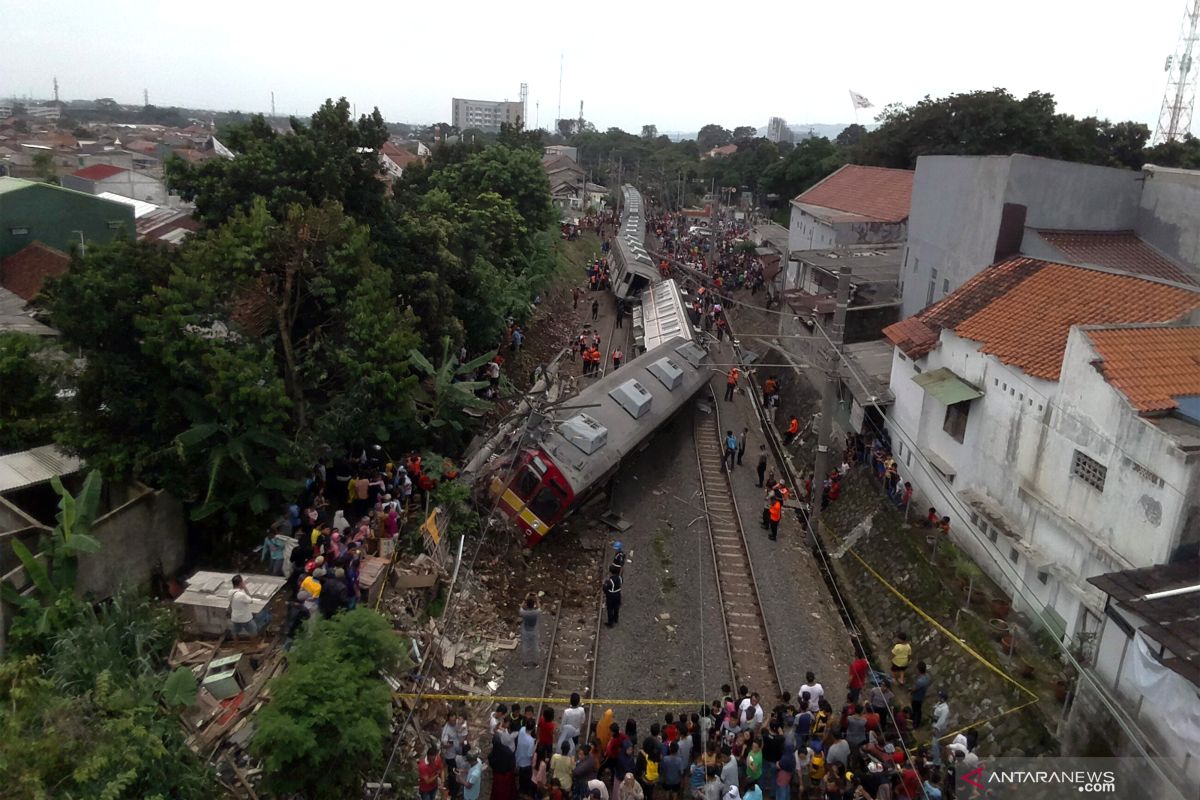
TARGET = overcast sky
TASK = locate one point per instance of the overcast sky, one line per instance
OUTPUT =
(676, 65)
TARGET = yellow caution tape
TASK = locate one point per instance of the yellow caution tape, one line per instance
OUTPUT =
(963, 645)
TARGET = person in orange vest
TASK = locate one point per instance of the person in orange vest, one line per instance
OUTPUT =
(731, 383)
(793, 430)
(595, 356)
(776, 514)
(616, 358)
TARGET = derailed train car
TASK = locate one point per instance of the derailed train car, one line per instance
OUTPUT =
(568, 456)
(633, 268)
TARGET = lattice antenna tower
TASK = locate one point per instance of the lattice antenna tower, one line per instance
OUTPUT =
(525, 104)
(1179, 99)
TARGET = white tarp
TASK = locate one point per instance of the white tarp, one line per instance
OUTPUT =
(1170, 699)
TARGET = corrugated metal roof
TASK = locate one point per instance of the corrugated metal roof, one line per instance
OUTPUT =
(31, 467)
(946, 387)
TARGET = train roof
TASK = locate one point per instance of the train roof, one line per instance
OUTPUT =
(662, 315)
(627, 406)
(630, 254)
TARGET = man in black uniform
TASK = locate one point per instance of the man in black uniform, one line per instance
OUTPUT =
(612, 595)
(619, 557)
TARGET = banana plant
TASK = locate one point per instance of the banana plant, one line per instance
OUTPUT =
(447, 389)
(52, 571)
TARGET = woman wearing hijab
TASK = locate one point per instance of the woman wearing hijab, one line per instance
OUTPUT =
(629, 789)
(604, 730)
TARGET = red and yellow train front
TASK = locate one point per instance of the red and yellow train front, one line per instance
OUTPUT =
(536, 495)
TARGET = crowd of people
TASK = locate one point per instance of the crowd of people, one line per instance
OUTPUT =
(348, 509)
(736, 748)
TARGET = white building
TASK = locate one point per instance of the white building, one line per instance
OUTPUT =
(971, 211)
(100, 178)
(1049, 410)
(486, 115)
(778, 131)
(854, 205)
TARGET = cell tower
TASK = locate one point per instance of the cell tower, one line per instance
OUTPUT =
(525, 104)
(1175, 119)
(56, 91)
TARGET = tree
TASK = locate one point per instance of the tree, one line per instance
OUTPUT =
(997, 123)
(44, 168)
(331, 158)
(447, 389)
(567, 127)
(805, 164)
(851, 135)
(319, 736)
(744, 132)
(713, 135)
(649, 132)
(30, 411)
(517, 136)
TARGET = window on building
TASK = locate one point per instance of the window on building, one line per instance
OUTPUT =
(932, 287)
(945, 286)
(992, 534)
(908, 459)
(956, 420)
(916, 264)
(1043, 577)
(1013, 555)
(1089, 470)
(19, 231)
(974, 518)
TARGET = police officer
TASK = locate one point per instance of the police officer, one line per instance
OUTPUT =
(619, 557)
(612, 594)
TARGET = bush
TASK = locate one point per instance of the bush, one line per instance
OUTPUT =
(330, 713)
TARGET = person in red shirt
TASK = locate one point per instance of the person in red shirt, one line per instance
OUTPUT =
(431, 771)
(910, 784)
(858, 674)
(545, 734)
(670, 733)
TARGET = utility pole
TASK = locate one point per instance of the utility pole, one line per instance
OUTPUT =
(836, 334)
(272, 103)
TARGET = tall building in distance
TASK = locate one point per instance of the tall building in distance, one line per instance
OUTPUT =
(486, 115)
(777, 130)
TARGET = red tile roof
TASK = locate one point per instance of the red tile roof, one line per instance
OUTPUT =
(1021, 310)
(97, 172)
(399, 156)
(1121, 250)
(24, 272)
(876, 192)
(1150, 366)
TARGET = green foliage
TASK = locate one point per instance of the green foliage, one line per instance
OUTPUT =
(329, 715)
(713, 135)
(49, 607)
(805, 164)
(997, 123)
(84, 721)
(44, 169)
(331, 158)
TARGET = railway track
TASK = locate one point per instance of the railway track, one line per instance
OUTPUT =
(751, 657)
(574, 644)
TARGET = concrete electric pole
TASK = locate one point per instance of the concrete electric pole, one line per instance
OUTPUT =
(833, 358)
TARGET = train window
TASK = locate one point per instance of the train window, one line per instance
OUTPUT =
(547, 504)
(527, 483)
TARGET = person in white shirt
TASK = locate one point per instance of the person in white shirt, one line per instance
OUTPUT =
(241, 614)
(574, 715)
(752, 714)
(815, 692)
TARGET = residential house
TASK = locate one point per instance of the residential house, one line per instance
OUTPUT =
(117, 180)
(396, 159)
(721, 151)
(1050, 411)
(24, 272)
(569, 188)
(561, 150)
(56, 216)
(854, 205)
(970, 211)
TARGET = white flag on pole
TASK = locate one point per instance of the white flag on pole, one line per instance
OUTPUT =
(859, 101)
